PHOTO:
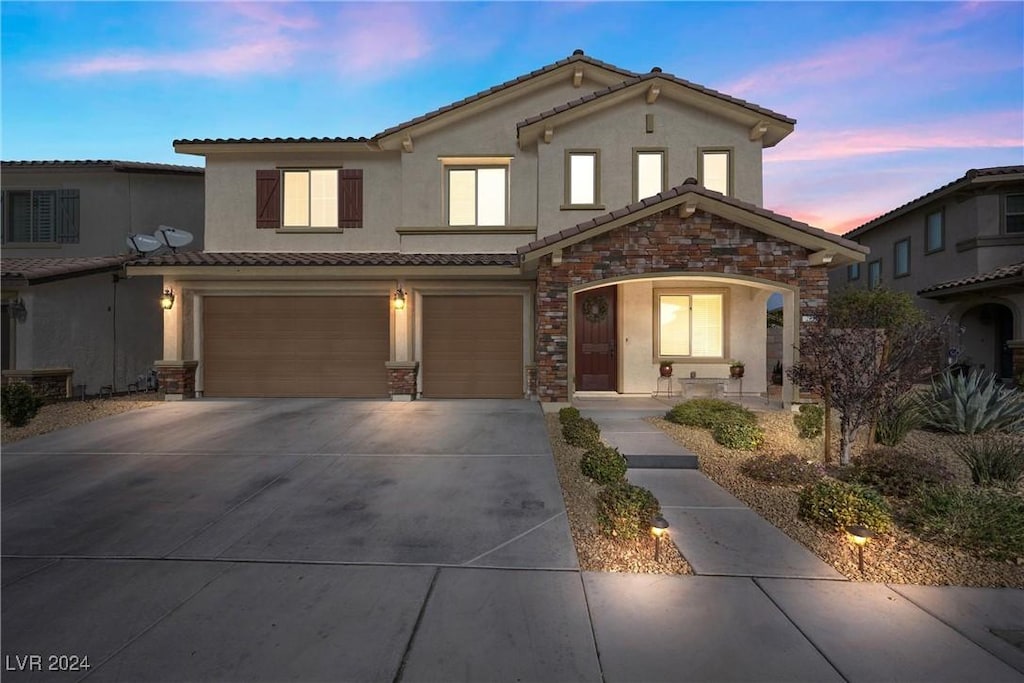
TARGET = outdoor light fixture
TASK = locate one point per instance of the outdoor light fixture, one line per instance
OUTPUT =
(860, 536)
(399, 299)
(167, 300)
(658, 528)
(18, 310)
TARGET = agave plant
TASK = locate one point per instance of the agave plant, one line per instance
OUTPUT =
(972, 403)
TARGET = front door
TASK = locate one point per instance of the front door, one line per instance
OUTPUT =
(596, 366)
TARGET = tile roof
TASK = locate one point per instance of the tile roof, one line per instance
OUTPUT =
(577, 56)
(265, 141)
(271, 258)
(966, 179)
(105, 163)
(657, 73)
(32, 271)
(690, 185)
(1002, 273)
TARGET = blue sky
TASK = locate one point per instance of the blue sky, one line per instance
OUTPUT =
(892, 99)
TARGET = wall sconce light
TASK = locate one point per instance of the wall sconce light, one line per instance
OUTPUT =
(18, 310)
(860, 535)
(399, 299)
(167, 300)
(658, 529)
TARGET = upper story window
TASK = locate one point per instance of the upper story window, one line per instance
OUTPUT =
(690, 325)
(582, 179)
(934, 232)
(901, 258)
(40, 216)
(648, 173)
(875, 273)
(853, 272)
(716, 170)
(477, 196)
(311, 198)
(1015, 213)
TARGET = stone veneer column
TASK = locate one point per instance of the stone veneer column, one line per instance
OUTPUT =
(177, 378)
(1017, 347)
(402, 379)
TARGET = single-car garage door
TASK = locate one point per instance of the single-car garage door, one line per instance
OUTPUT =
(322, 346)
(473, 346)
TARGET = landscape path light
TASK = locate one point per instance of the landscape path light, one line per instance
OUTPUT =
(860, 535)
(658, 528)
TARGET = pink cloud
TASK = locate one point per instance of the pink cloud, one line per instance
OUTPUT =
(375, 38)
(985, 130)
(258, 57)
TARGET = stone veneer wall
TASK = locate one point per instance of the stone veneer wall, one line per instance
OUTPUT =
(402, 378)
(50, 383)
(177, 378)
(661, 243)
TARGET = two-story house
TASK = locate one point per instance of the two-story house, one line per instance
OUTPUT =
(560, 233)
(959, 250)
(70, 316)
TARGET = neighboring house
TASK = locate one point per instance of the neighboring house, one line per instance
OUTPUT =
(70, 316)
(559, 233)
(960, 250)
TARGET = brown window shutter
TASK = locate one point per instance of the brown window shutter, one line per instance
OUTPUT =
(268, 199)
(350, 198)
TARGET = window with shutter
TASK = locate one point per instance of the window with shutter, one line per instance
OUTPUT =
(40, 216)
(690, 325)
(268, 199)
(350, 198)
(309, 198)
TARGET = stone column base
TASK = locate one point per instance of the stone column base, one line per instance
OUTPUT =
(402, 379)
(177, 378)
(1017, 347)
(50, 383)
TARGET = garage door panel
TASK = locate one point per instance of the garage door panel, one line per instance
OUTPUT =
(473, 346)
(296, 346)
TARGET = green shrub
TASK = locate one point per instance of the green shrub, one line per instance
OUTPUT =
(625, 510)
(994, 459)
(583, 433)
(810, 421)
(568, 414)
(603, 464)
(987, 521)
(897, 419)
(707, 412)
(19, 403)
(896, 473)
(787, 469)
(972, 403)
(836, 504)
(738, 435)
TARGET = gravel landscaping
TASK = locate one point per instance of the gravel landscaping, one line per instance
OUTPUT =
(64, 414)
(898, 557)
(597, 552)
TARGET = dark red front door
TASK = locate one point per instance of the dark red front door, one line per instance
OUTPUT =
(596, 365)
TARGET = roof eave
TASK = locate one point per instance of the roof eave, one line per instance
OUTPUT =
(1000, 283)
(205, 148)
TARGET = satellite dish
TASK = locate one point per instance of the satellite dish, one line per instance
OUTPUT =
(143, 243)
(173, 237)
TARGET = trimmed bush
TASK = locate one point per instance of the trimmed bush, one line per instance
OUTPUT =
(972, 403)
(625, 510)
(738, 435)
(897, 419)
(19, 403)
(996, 459)
(987, 521)
(786, 470)
(583, 433)
(810, 421)
(707, 412)
(836, 504)
(896, 473)
(568, 414)
(603, 464)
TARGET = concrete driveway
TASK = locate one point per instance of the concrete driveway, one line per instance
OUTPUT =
(298, 539)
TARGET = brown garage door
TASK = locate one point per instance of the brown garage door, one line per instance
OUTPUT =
(473, 346)
(295, 346)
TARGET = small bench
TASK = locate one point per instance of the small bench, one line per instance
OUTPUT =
(715, 386)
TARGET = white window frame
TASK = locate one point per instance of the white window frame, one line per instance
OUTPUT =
(716, 151)
(310, 224)
(723, 327)
(449, 168)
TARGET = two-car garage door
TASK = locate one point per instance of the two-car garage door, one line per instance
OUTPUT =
(337, 346)
(317, 346)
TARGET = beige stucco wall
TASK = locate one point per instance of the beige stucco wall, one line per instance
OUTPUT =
(112, 205)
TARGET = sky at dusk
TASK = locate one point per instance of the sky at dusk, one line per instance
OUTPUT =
(891, 99)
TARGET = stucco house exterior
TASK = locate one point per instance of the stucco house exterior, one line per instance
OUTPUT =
(556, 235)
(959, 250)
(72, 321)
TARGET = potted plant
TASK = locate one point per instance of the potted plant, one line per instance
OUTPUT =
(736, 368)
(665, 368)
